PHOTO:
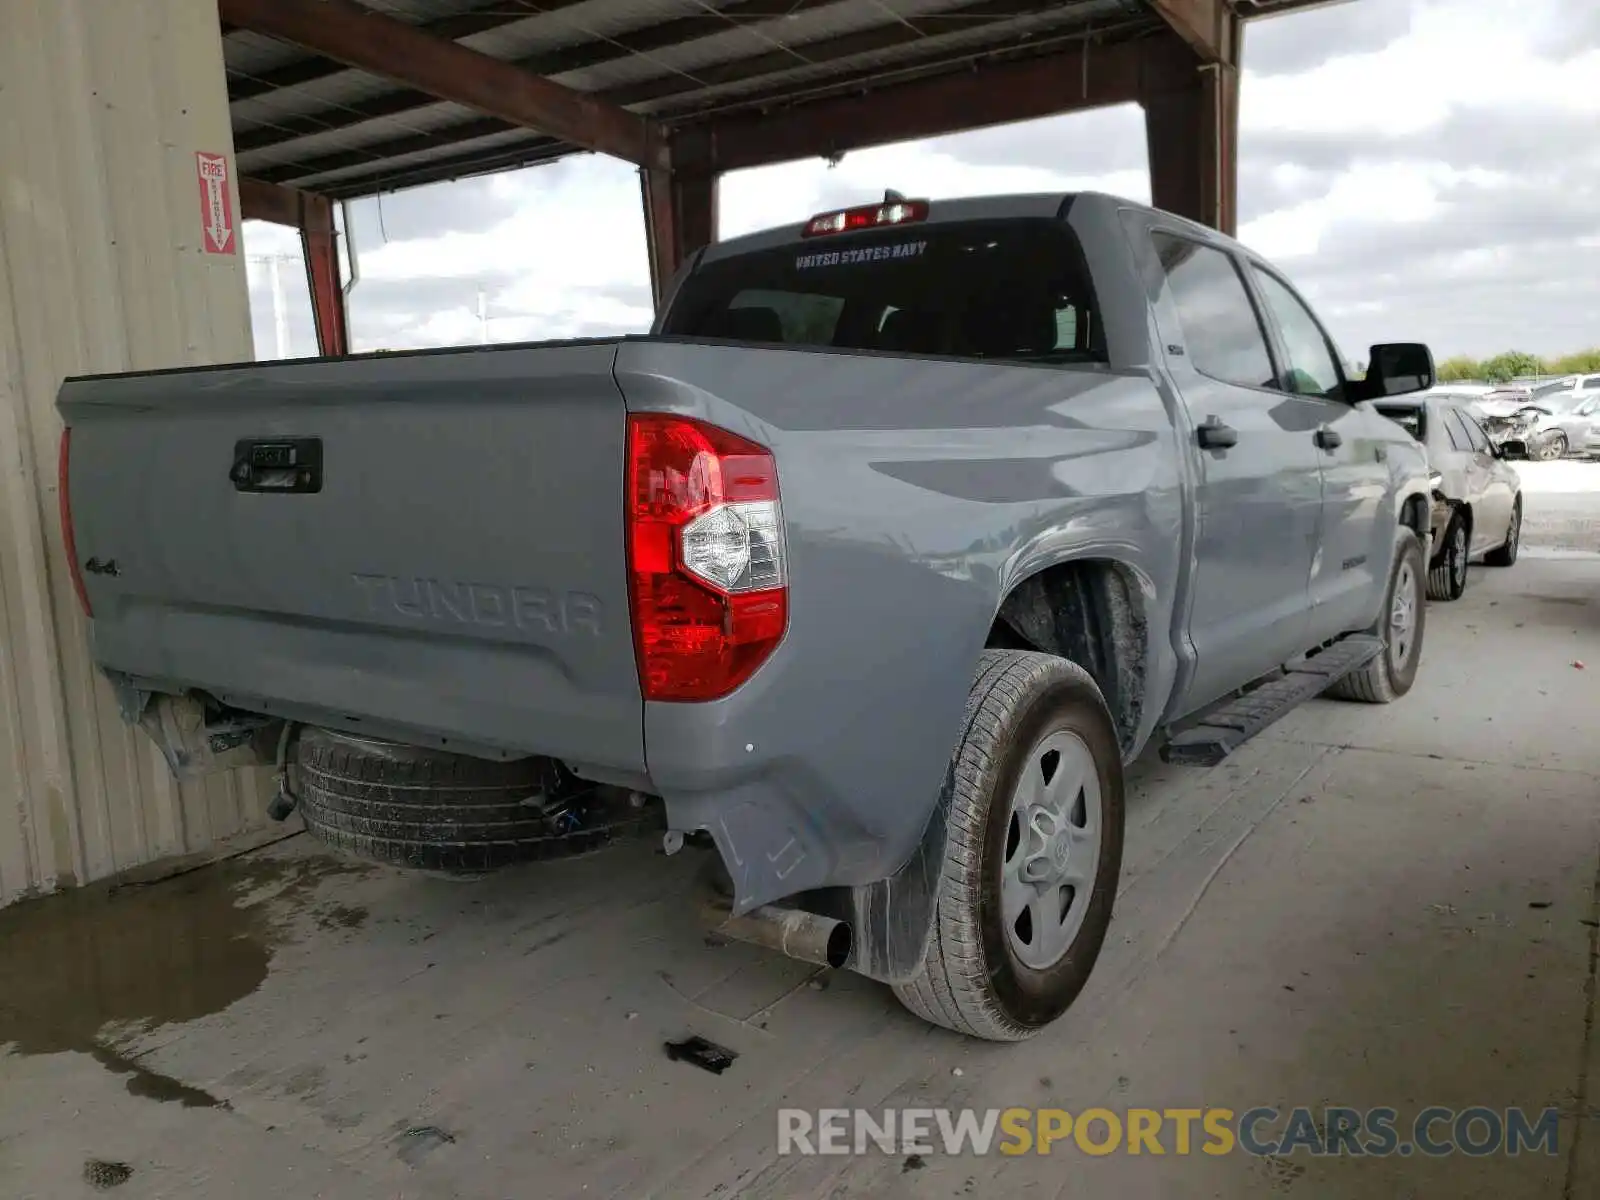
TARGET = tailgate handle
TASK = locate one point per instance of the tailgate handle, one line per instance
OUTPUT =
(288, 465)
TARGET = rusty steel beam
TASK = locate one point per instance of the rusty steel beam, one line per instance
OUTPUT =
(669, 86)
(260, 200)
(379, 154)
(346, 32)
(579, 56)
(533, 152)
(312, 215)
(319, 238)
(1201, 23)
(660, 36)
(454, 27)
(1191, 112)
(1078, 77)
(680, 216)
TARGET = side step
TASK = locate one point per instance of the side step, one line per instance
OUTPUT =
(1223, 730)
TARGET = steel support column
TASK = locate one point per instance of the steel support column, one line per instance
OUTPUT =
(1191, 114)
(680, 216)
(320, 240)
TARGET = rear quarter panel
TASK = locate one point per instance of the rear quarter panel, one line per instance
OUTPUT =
(915, 492)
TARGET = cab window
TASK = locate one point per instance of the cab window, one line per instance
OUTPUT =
(1221, 331)
(1310, 368)
(1015, 289)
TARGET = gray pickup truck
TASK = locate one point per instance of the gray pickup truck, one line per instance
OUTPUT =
(870, 567)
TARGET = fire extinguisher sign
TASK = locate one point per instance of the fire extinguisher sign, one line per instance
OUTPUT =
(217, 234)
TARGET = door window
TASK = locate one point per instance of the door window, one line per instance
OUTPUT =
(1457, 429)
(1311, 369)
(1479, 439)
(1221, 331)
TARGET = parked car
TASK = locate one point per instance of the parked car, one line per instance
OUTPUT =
(874, 563)
(1548, 424)
(1477, 510)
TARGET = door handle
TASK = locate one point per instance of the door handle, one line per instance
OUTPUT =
(1214, 434)
(1327, 439)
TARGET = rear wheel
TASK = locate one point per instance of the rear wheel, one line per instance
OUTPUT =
(1554, 448)
(1448, 577)
(1400, 624)
(1034, 796)
(1506, 555)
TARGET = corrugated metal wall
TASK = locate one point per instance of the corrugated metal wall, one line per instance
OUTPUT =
(103, 104)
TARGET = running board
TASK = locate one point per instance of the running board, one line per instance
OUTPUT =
(1223, 730)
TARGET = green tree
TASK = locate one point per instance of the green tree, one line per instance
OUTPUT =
(1584, 362)
(1503, 368)
(1458, 368)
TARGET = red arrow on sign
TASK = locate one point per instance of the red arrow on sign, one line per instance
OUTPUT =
(216, 203)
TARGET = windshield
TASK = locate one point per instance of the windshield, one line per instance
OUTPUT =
(1549, 389)
(1558, 402)
(1012, 289)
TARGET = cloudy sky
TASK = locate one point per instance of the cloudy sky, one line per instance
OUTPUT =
(1424, 169)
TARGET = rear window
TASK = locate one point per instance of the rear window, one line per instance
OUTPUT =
(1013, 289)
(1412, 417)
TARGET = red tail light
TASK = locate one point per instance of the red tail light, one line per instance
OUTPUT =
(708, 580)
(64, 499)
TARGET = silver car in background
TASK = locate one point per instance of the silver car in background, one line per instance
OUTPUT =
(1552, 421)
(1477, 496)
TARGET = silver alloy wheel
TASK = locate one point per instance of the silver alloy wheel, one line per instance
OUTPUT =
(1052, 849)
(1458, 558)
(1515, 531)
(1555, 448)
(1403, 616)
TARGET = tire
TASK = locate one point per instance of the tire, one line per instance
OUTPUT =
(1506, 555)
(1448, 579)
(1391, 674)
(1555, 448)
(435, 811)
(973, 978)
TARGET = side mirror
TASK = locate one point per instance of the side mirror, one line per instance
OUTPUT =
(1396, 369)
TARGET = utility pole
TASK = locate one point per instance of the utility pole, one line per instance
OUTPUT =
(282, 341)
(280, 314)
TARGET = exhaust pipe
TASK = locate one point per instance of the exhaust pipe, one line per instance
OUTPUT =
(792, 931)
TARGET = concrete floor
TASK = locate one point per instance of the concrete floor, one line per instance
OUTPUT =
(1366, 906)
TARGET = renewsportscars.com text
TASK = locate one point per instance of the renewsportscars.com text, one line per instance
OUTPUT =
(1331, 1131)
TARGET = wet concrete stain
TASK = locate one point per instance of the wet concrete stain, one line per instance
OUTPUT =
(85, 969)
(152, 1084)
(419, 1141)
(341, 916)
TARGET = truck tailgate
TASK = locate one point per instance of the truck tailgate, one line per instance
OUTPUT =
(454, 566)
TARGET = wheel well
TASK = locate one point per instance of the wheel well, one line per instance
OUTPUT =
(1089, 613)
(1415, 515)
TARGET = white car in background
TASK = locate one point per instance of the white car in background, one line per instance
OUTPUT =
(1477, 496)
(1551, 421)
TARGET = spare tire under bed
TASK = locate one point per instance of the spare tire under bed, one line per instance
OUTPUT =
(433, 810)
